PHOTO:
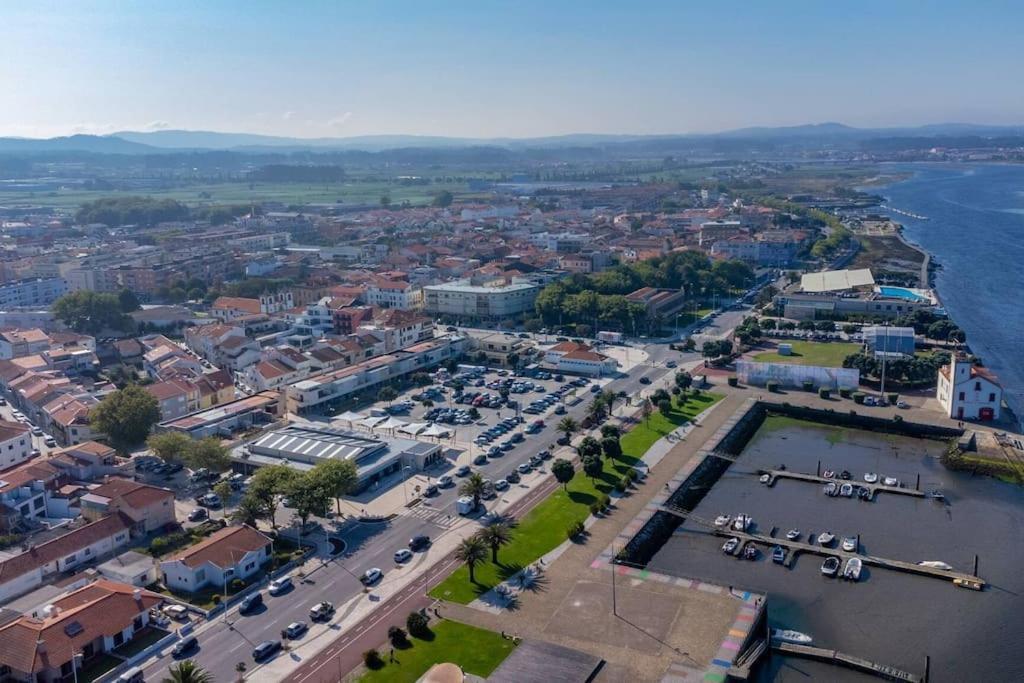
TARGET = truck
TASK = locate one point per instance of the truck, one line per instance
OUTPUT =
(465, 505)
(610, 337)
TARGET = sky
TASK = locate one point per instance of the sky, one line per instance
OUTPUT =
(504, 69)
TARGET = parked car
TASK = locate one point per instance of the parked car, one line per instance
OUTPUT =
(176, 612)
(419, 542)
(321, 610)
(36, 431)
(463, 471)
(211, 500)
(50, 441)
(444, 481)
(295, 629)
(371, 576)
(251, 603)
(480, 459)
(403, 555)
(278, 586)
(501, 485)
(643, 380)
(198, 514)
(513, 477)
(185, 645)
(266, 649)
(524, 468)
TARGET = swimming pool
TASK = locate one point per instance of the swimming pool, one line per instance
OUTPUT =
(902, 293)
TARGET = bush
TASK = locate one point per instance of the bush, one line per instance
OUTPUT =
(624, 483)
(215, 599)
(7, 540)
(676, 391)
(733, 381)
(236, 585)
(417, 624)
(845, 392)
(595, 509)
(575, 530)
(397, 636)
(808, 385)
(893, 397)
(606, 501)
(772, 386)
(632, 475)
(372, 659)
(897, 418)
(858, 397)
(823, 393)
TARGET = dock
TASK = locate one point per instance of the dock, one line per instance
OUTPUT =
(795, 547)
(853, 662)
(775, 475)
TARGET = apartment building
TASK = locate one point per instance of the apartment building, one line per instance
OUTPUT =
(394, 294)
(15, 444)
(31, 292)
(486, 301)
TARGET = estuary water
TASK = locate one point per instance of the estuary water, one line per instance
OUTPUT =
(975, 230)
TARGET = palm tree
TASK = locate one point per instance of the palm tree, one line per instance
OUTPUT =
(595, 411)
(473, 486)
(568, 425)
(496, 535)
(472, 551)
(188, 672)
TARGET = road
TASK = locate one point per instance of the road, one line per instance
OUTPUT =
(373, 545)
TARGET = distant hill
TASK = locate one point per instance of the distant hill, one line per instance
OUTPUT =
(96, 144)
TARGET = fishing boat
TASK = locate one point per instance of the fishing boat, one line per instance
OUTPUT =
(852, 570)
(890, 481)
(846, 490)
(778, 554)
(850, 544)
(826, 538)
(828, 474)
(765, 478)
(830, 567)
(742, 522)
(936, 564)
(845, 475)
(871, 478)
(788, 636)
(750, 552)
(729, 547)
(831, 488)
(722, 521)
(793, 534)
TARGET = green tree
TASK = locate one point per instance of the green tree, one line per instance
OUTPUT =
(223, 491)
(266, 488)
(91, 312)
(611, 447)
(474, 486)
(209, 453)
(684, 380)
(385, 201)
(337, 476)
(496, 536)
(387, 394)
(589, 447)
(309, 496)
(187, 672)
(592, 467)
(249, 510)
(568, 426)
(126, 416)
(443, 199)
(665, 407)
(170, 446)
(563, 471)
(645, 409)
(611, 430)
(472, 551)
(128, 301)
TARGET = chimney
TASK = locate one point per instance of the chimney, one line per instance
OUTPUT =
(137, 594)
(41, 647)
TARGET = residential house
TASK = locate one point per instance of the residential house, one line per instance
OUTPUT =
(16, 343)
(577, 358)
(234, 552)
(394, 294)
(152, 507)
(176, 397)
(15, 444)
(24, 492)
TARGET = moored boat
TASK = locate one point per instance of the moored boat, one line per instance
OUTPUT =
(864, 493)
(829, 474)
(890, 481)
(826, 538)
(742, 522)
(936, 564)
(968, 583)
(765, 478)
(722, 521)
(845, 475)
(788, 636)
(750, 552)
(852, 570)
(729, 547)
(793, 534)
(831, 488)
(846, 490)
(850, 544)
(830, 567)
(871, 477)
(778, 554)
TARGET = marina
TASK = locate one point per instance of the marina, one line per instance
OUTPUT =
(872, 487)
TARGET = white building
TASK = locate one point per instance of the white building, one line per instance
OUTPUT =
(15, 444)
(968, 392)
(234, 552)
(394, 294)
(31, 292)
(579, 359)
(484, 301)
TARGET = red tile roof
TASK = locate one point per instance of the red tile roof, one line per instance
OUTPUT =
(224, 548)
(12, 430)
(62, 546)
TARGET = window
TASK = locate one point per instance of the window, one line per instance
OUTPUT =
(88, 551)
(69, 559)
(200, 576)
(38, 504)
(961, 395)
(992, 398)
(977, 386)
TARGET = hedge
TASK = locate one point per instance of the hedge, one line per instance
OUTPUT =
(858, 397)
(823, 393)
(733, 381)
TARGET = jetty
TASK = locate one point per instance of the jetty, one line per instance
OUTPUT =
(775, 475)
(904, 213)
(851, 661)
(796, 547)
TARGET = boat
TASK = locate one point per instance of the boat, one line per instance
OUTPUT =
(765, 478)
(850, 544)
(830, 567)
(968, 583)
(729, 547)
(793, 534)
(778, 554)
(871, 477)
(936, 564)
(845, 475)
(846, 490)
(722, 521)
(864, 494)
(826, 538)
(788, 636)
(891, 481)
(828, 474)
(852, 570)
(742, 522)
(936, 494)
(750, 552)
(831, 488)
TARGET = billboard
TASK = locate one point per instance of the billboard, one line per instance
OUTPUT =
(788, 375)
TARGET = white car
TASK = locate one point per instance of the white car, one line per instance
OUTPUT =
(403, 555)
(278, 586)
(371, 576)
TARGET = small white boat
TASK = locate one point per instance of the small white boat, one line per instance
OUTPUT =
(788, 636)
(936, 564)
(729, 547)
(850, 544)
(793, 534)
(828, 474)
(852, 570)
(765, 478)
(891, 481)
(846, 490)
(722, 521)
(742, 522)
(830, 567)
(826, 538)
(831, 488)
(871, 477)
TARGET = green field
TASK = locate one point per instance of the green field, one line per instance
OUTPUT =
(825, 354)
(544, 528)
(477, 651)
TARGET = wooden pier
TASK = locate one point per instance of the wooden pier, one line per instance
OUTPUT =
(835, 657)
(775, 475)
(795, 547)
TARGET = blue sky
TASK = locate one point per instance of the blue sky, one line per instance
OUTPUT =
(519, 68)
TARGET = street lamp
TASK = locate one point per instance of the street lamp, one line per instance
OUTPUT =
(227, 573)
(405, 477)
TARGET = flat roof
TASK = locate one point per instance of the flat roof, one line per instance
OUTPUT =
(480, 289)
(536, 661)
(223, 411)
(836, 280)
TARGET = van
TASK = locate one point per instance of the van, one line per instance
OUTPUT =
(133, 675)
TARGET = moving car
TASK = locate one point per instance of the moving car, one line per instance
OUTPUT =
(371, 576)
(278, 586)
(295, 629)
(321, 610)
(403, 555)
(513, 477)
(251, 603)
(463, 471)
(419, 542)
(266, 649)
(185, 645)
(643, 380)
(198, 514)
(445, 481)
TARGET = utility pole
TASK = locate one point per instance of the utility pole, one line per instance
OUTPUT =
(885, 351)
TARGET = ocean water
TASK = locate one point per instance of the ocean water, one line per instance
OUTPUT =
(975, 230)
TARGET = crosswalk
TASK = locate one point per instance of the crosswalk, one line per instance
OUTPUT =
(441, 518)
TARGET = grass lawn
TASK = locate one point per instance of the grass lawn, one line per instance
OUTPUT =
(826, 354)
(97, 666)
(140, 642)
(544, 527)
(477, 651)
